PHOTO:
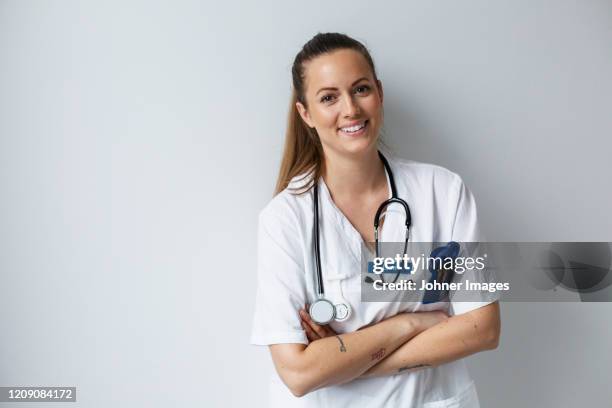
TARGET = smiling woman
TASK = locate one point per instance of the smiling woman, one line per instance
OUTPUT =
(331, 148)
(342, 105)
(335, 93)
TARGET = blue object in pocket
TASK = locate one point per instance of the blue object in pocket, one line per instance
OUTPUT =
(448, 251)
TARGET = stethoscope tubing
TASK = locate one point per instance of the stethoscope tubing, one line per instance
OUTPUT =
(317, 249)
(394, 199)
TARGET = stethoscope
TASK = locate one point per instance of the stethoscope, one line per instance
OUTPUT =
(322, 310)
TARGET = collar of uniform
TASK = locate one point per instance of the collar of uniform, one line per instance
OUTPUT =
(354, 242)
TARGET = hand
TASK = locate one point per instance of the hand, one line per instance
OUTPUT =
(313, 330)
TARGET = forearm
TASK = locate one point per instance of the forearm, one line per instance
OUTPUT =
(450, 340)
(339, 359)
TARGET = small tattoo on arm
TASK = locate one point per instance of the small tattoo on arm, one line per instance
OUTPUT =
(379, 354)
(411, 367)
(342, 348)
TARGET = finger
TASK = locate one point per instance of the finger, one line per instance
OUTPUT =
(329, 331)
(320, 330)
(310, 334)
(304, 316)
(305, 326)
(310, 339)
(311, 325)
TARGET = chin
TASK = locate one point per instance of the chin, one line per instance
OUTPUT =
(361, 144)
(358, 147)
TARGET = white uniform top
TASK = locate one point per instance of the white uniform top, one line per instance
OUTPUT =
(442, 209)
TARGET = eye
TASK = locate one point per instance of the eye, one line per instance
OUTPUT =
(327, 98)
(362, 89)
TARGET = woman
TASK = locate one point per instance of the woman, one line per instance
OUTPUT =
(384, 354)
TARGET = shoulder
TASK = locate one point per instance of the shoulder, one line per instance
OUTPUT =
(284, 223)
(288, 208)
(425, 175)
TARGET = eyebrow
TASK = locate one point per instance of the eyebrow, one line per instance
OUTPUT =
(334, 89)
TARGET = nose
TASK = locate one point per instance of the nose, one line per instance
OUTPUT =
(351, 108)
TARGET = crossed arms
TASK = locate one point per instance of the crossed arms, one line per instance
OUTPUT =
(402, 343)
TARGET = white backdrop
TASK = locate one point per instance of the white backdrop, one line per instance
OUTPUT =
(139, 140)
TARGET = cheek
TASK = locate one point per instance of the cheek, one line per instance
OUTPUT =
(326, 118)
(373, 106)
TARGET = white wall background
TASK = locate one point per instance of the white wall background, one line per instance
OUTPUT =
(139, 140)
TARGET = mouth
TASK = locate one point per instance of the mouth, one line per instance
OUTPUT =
(355, 130)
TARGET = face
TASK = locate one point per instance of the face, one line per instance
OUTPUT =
(343, 102)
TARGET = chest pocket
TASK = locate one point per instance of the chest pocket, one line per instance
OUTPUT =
(340, 255)
(341, 277)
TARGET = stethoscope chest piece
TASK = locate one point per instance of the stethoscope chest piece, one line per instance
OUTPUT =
(343, 311)
(322, 311)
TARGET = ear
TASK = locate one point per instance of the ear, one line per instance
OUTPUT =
(380, 89)
(304, 114)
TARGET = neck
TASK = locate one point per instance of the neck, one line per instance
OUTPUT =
(349, 176)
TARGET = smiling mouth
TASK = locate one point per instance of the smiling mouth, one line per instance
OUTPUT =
(354, 130)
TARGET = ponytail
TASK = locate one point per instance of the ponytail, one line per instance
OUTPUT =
(302, 154)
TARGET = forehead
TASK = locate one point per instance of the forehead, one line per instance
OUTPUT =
(336, 69)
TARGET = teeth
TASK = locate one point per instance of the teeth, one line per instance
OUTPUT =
(353, 129)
